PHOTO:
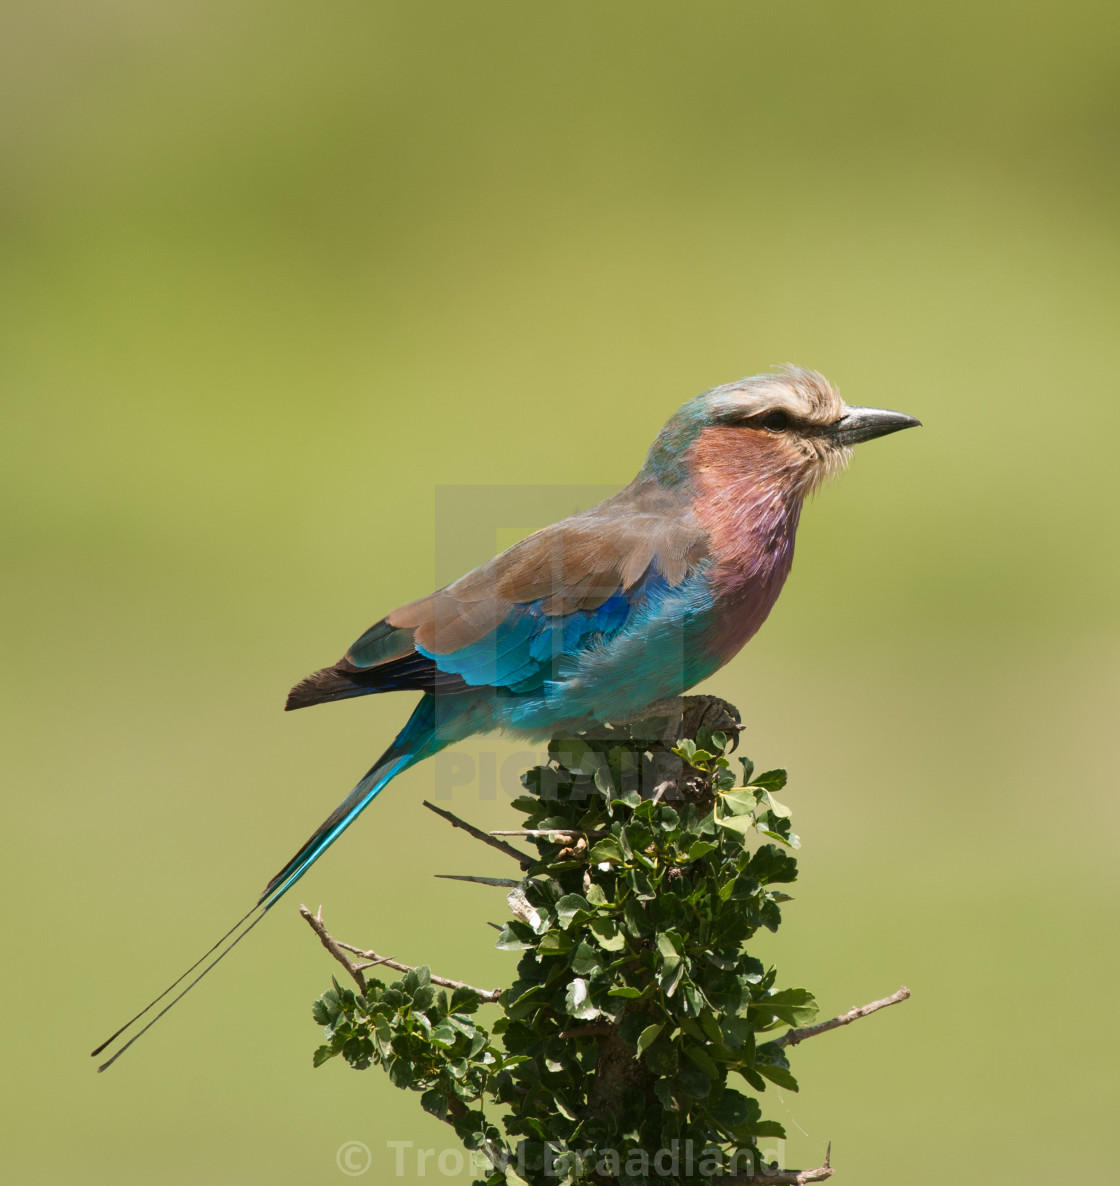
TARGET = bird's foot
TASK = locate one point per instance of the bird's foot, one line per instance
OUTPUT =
(685, 716)
(667, 722)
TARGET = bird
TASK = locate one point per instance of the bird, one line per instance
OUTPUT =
(595, 618)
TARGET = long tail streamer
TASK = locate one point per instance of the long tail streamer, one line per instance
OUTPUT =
(414, 742)
(176, 999)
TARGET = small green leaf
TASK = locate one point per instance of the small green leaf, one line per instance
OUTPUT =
(710, 1027)
(463, 1024)
(647, 1037)
(577, 1001)
(525, 1003)
(564, 1108)
(606, 850)
(572, 907)
(695, 1083)
(635, 920)
(778, 810)
(509, 941)
(669, 944)
(424, 997)
(765, 1128)
(772, 780)
(740, 801)
(667, 819)
(702, 1059)
(731, 1108)
(661, 1058)
(358, 1052)
(663, 1089)
(555, 943)
(741, 824)
(671, 976)
(464, 1000)
(693, 999)
(443, 1035)
(779, 1075)
(607, 934)
(794, 1006)
(434, 1102)
(584, 959)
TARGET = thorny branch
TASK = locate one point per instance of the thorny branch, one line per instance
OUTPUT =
(501, 882)
(339, 950)
(778, 1177)
(792, 1037)
(315, 921)
(555, 835)
(522, 858)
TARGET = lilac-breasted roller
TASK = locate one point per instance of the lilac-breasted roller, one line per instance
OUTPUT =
(599, 616)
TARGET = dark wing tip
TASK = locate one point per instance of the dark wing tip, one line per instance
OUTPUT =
(322, 686)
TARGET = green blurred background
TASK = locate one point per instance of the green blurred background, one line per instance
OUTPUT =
(273, 272)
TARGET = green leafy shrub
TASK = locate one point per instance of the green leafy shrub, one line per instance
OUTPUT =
(638, 1019)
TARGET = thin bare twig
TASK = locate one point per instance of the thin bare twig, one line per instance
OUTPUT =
(491, 994)
(776, 1177)
(562, 835)
(315, 921)
(338, 949)
(522, 858)
(810, 1031)
(503, 882)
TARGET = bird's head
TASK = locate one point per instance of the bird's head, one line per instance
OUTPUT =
(789, 430)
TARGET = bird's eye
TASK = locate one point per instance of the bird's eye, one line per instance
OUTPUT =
(775, 421)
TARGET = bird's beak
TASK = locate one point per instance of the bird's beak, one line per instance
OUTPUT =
(865, 424)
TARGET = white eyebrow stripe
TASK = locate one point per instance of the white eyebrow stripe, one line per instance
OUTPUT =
(803, 394)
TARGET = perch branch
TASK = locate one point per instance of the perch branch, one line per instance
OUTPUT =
(338, 949)
(810, 1031)
(522, 858)
(781, 1177)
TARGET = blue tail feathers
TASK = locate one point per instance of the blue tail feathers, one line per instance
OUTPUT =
(417, 740)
